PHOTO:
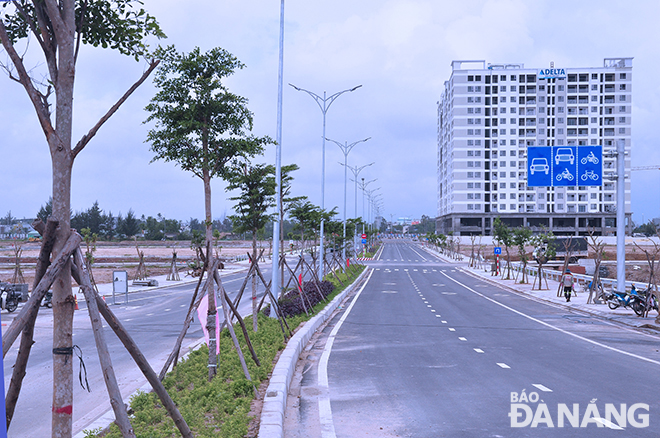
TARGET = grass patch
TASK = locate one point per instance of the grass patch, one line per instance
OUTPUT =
(219, 408)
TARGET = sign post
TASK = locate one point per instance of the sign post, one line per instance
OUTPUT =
(497, 251)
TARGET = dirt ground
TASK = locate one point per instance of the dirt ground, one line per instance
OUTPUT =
(110, 256)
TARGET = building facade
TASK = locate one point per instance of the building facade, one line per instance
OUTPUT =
(487, 118)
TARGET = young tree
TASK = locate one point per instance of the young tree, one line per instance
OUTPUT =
(521, 236)
(544, 250)
(504, 236)
(306, 215)
(59, 28)
(202, 127)
(257, 191)
(45, 210)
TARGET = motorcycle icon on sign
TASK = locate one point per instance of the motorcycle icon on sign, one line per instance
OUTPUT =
(565, 175)
(591, 158)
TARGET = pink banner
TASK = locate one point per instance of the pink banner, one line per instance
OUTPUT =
(202, 312)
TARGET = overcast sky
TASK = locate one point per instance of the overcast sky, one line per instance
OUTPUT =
(400, 51)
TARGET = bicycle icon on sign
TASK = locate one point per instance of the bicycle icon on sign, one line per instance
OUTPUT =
(565, 175)
(591, 158)
(589, 174)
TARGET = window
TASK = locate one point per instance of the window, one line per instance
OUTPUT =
(478, 186)
(560, 207)
(502, 163)
(512, 99)
(470, 206)
(502, 174)
(512, 142)
(513, 121)
(470, 121)
(502, 206)
(503, 132)
(622, 98)
(594, 196)
(477, 99)
(594, 76)
(502, 121)
(622, 87)
(470, 131)
(502, 88)
(470, 89)
(513, 88)
(560, 98)
(512, 174)
(512, 131)
(560, 120)
(470, 99)
(470, 110)
(622, 75)
(502, 78)
(622, 130)
(477, 153)
(582, 208)
(559, 131)
(512, 196)
(513, 206)
(622, 109)
(502, 153)
(512, 111)
(470, 185)
(477, 78)
(512, 185)
(503, 185)
(502, 110)
(470, 196)
(512, 163)
(512, 154)
(560, 88)
(470, 174)
(470, 153)
(470, 78)
(560, 109)
(622, 120)
(594, 87)
(594, 109)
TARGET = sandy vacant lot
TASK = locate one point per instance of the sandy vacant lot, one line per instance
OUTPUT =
(111, 256)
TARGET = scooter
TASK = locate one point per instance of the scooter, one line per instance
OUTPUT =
(630, 300)
(9, 298)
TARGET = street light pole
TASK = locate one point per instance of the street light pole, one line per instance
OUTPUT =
(346, 149)
(356, 171)
(275, 289)
(324, 104)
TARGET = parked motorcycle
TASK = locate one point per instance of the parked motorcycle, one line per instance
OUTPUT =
(9, 298)
(630, 300)
(648, 301)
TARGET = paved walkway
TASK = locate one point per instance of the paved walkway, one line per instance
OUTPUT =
(578, 301)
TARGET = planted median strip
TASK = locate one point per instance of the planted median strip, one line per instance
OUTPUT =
(222, 407)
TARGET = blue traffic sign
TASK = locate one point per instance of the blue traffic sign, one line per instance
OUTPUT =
(497, 250)
(364, 241)
(560, 166)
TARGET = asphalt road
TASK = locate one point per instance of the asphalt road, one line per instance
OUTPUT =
(426, 350)
(153, 318)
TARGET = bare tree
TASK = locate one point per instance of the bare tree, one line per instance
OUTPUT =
(651, 257)
(598, 248)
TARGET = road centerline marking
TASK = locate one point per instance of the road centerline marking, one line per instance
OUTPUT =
(541, 387)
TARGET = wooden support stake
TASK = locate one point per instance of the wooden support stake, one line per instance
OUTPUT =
(144, 366)
(27, 336)
(116, 401)
(230, 327)
(194, 304)
(216, 276)
(32, 306)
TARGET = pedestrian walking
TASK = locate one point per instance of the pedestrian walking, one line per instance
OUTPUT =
(567, 281)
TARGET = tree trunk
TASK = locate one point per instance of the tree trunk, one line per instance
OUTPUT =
(210, 266)
(255, 326)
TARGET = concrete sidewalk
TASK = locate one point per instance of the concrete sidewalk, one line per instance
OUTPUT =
(578, 301)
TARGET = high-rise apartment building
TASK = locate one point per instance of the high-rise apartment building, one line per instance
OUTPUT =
(487, 118)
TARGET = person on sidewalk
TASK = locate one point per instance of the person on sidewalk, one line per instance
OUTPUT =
(567, 281)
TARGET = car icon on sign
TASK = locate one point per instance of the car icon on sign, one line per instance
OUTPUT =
(539, 165)
(564, 154)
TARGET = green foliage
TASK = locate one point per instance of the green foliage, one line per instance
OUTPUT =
(200, 125)
(648, 229)
(119, 24)
(218, 408)
(257, 190)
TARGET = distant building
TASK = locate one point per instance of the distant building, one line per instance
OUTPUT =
(487, 118)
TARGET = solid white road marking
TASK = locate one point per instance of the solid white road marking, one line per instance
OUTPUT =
(636, 356)
(541, 387)
(325, 410)
(478, 350)
(503, 365)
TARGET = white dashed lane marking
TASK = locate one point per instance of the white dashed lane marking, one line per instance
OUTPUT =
(462, 339)
(503, 365)
(541, 387)
(452, 329)
(478, 350)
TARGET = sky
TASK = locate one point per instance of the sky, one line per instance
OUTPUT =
(400, 51)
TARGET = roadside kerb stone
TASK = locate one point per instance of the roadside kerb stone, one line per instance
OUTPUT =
(272, 413)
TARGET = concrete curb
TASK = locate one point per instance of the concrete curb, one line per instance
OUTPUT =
(272, 413)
